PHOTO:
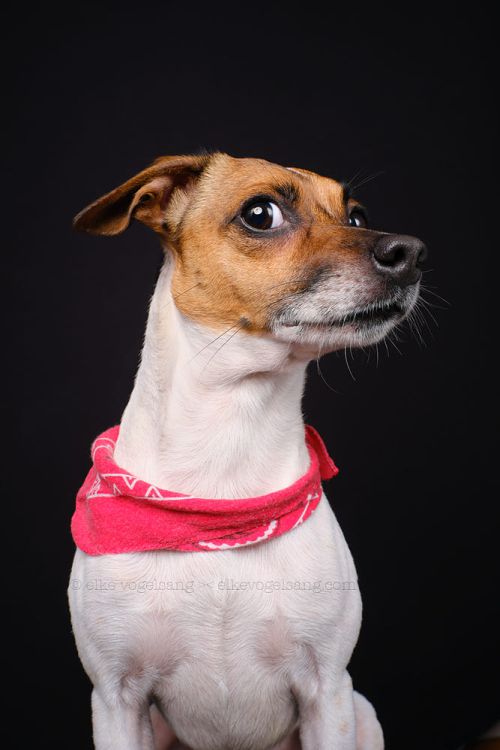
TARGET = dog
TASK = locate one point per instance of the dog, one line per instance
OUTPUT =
(265, 268)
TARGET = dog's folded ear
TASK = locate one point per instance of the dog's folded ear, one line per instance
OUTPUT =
(143, 197)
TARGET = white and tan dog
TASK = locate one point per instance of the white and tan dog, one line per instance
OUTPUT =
(266, 268)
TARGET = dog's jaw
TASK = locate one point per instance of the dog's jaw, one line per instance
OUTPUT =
(320, 327)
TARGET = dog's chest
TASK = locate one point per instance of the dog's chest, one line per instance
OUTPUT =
(216, 605)
(221, 630)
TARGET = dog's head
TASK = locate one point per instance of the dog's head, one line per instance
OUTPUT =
(271, 250)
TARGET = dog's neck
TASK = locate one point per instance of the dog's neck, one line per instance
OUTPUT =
(210, 415)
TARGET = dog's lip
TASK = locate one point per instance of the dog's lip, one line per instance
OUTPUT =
(374, 314)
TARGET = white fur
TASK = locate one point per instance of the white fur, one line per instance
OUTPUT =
(236, 648)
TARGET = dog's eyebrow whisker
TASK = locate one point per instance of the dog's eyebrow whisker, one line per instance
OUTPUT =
(353, 178)
(365, 180)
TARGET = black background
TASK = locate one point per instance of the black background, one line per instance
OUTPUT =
(94, 94)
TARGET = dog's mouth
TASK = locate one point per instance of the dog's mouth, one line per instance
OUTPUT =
(363, 317)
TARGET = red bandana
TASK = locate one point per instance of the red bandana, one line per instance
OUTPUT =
(117, 512)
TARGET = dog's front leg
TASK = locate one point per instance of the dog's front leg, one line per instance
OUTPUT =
(327, 716)
(369, 735)
(120, 725)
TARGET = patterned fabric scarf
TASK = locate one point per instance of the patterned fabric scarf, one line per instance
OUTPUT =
(116, 512)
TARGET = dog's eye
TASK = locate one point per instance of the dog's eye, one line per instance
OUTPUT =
(358, 218)
(262, 215)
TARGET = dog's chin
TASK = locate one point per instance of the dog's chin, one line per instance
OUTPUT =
(359, 327)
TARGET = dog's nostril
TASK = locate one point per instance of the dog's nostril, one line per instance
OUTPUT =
(390, 253)
(398, 256)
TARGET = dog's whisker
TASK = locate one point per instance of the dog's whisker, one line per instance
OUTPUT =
(320, 373)
(429, 306)
(424, 306)
(355, 177)
(239, 326)
(176, 296)
(392, 338)
(366, 180)
(273, 286)
(420, 314)
(222, 345)
(213, 341)
(414, 325)
(428, 289)
(347, 363)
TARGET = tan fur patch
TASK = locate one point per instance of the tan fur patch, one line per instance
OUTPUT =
(236, 279)
(225, 275)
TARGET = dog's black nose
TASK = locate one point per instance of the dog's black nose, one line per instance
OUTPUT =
(400, 257)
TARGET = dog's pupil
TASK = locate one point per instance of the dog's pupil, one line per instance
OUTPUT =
(259, 215)
(357, 219)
